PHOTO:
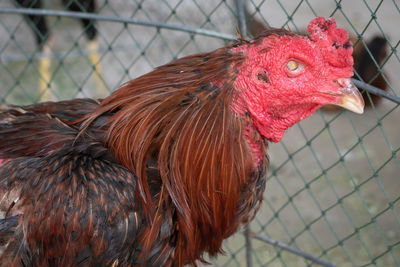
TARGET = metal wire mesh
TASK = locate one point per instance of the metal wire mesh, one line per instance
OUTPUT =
(334, 181)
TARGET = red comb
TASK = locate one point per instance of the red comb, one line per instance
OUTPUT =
(334, 42)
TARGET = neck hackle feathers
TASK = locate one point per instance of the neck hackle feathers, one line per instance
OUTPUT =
(178, 119)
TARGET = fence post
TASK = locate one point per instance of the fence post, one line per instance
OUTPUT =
(249, 247)
(241, 17)
(243, 32)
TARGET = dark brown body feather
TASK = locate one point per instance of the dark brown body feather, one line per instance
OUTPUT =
(366, 68)
(157, 173)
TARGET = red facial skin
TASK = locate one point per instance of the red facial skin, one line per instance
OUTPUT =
(276, 97)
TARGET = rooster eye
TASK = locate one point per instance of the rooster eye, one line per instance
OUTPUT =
(292, 65)
(294, 68)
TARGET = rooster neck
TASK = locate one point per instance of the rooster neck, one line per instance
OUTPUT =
(180, 117)
(256, 143)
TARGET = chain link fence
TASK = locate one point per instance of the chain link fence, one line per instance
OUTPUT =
(333, 192)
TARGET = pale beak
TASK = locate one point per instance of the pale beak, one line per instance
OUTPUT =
(349, 97)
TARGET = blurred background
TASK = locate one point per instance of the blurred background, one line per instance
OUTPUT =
(333, 190)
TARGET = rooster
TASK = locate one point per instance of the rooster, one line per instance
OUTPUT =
(169, 165)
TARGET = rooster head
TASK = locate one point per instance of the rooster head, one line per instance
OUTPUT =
(285, 77)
